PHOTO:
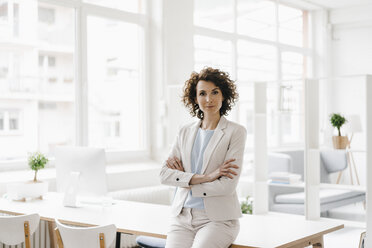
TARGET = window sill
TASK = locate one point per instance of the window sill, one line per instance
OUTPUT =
(119, 176)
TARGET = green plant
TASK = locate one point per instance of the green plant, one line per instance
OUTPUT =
(337, 121)
(247, 205)
(37, 161)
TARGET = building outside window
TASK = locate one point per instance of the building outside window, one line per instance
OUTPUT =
(38, 78)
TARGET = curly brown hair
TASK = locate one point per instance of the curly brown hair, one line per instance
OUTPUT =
(221, 79)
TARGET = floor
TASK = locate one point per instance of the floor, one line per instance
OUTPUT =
(348, 237)
(353, 218)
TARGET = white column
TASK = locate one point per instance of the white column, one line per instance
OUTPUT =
(178, 52)
(260, 191)
(312, 163)
(81, 75)
(369, 159)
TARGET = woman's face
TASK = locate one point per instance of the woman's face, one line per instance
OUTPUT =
(208, 97)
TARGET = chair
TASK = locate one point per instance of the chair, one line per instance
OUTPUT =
(362, 240)
(84, 237)
(18, 229)
(150, 242)
(291, 198)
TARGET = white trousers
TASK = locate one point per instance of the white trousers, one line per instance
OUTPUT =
(192, 228)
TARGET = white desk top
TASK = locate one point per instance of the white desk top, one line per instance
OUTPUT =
(153, 220)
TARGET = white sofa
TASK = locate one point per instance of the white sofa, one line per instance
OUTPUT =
(290, 198)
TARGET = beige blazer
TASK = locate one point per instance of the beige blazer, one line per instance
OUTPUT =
(220, 198)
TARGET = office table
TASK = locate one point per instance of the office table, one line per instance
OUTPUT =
(153, 220)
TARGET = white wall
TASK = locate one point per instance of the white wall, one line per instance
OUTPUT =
(350, 31)
(172, 61)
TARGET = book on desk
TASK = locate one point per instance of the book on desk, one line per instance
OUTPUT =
(284, 178)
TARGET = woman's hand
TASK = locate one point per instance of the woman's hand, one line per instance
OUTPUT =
(175, 164)
(226, 169)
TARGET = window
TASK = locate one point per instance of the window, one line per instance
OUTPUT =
(260, 41)
(31, 76)
(14, 119)
(213, 52)
(115, 102)
(39, 76)
(136, 6)
(46, 15)
(257, 19)
(1, 121)
(290, 25)
(3, 11)
(214, 14)
(10, 121)
(51, 61)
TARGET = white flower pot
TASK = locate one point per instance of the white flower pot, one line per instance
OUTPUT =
(26, 190)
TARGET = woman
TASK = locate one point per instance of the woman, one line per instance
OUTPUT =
(205, 164)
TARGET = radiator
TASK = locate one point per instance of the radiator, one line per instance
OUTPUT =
(40, 239)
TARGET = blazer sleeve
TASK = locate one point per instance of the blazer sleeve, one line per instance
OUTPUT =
(175, 177)
(225, 185)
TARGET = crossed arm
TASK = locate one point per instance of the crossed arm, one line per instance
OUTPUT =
(226, 169)
(221, 181)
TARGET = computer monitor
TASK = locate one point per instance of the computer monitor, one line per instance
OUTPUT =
(87, 165)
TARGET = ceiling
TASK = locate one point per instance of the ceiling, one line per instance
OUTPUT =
(327, 4)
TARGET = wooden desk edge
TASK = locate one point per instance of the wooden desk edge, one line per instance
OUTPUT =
(311, 237)
(165, 236)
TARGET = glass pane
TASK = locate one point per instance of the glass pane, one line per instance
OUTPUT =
(41, 112)
(290, 25)
(291, 112)
(212, 52)
(214, 14)
(14, 118)
(257, 19)
(272, 115)
(1, 121)
(292, 65)
(136, 6)
(256, 62)
(246, 114)
(115, 93)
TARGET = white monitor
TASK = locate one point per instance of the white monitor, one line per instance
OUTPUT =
(86, 162)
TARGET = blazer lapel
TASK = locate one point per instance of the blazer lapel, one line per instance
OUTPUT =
(189, 144)
(218, 134)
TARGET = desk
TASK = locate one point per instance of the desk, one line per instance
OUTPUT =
(153, 220)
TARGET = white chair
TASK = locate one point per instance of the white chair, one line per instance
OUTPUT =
(84, 237)
(18, 229)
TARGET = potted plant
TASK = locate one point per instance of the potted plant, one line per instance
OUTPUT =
(337, 120)
(37, 161)
(33, 188)
(247, 205)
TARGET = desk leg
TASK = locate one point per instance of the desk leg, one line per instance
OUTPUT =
(319, 243)
(316, 242)
(52, 238)
(118, 239)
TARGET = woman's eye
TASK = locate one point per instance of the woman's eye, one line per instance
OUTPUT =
(201, 94)
(215, 92)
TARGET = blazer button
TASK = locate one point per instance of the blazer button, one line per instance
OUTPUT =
(204, 194)
(177, 179)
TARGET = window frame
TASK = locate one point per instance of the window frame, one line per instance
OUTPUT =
(82, 11)
(234, 37)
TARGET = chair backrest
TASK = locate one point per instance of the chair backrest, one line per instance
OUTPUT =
(18, 229)
(330, 161)
(334, 160)
(86, 237)
(279, 162)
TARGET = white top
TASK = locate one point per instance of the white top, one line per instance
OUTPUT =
(197, 154)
